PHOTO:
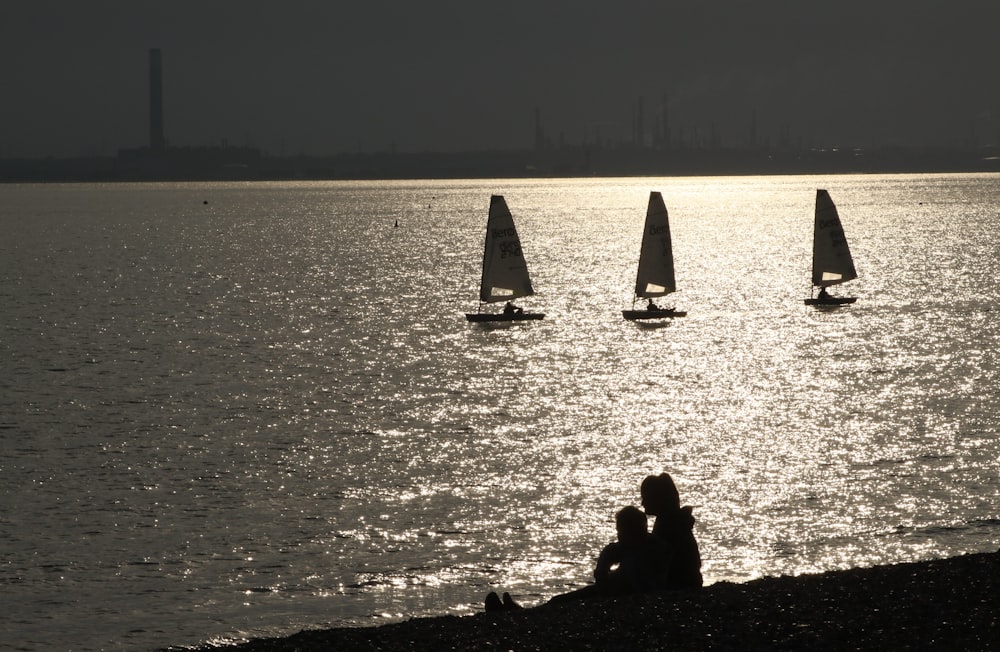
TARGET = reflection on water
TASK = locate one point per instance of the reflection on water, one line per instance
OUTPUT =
(268, 412)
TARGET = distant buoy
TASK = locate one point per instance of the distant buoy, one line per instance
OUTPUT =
(205, 202)
(397, 224)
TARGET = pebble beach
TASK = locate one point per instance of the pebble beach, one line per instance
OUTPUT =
(930, 605)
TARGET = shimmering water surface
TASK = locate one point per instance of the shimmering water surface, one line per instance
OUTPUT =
(235, 410)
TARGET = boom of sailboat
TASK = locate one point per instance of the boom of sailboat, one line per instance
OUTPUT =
(505, 276)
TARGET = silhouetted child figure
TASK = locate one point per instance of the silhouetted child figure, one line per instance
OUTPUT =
(635, 563)
(674, 526)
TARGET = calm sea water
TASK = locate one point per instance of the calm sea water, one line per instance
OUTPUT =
(236, 410)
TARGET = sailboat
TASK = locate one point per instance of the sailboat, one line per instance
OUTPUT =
(832, 263)
(655, 276)
(505, 273)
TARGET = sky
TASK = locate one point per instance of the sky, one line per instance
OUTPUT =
(324, 77)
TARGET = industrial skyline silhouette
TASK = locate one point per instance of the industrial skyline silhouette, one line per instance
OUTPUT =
(249, 90)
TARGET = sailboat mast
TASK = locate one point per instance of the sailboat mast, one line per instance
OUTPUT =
(486, 251)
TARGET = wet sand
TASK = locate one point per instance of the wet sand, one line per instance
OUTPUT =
(951, 604)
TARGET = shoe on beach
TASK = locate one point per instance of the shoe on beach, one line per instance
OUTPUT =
(493, 602)
(508, 602)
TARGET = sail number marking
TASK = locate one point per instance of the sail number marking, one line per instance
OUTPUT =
(511, 249)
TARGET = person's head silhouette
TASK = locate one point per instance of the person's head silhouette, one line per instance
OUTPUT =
(631, 525)
(659, 495)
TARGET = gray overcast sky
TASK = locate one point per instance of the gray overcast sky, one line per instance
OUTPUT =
(323, 77)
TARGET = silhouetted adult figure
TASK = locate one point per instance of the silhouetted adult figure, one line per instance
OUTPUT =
(674, 526)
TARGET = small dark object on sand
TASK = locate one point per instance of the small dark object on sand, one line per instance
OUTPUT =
(493, 602)
(508, 602)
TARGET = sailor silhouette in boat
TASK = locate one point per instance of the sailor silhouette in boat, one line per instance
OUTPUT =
(510, 309)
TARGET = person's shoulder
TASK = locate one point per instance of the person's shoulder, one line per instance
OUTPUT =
(611, 548)
(610, 554)
(687, 516)
(681, 519)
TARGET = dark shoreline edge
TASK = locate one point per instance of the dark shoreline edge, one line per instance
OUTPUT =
(940, 604)
(250, 164)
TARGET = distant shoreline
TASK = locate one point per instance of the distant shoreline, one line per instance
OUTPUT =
(248, 164)
(944, 604)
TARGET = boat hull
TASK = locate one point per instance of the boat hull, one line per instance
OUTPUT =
(634, 315)
(497, 316)
(830, 301)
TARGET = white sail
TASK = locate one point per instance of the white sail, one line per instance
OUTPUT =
(832, 262)
(655, 277)
(505, 272)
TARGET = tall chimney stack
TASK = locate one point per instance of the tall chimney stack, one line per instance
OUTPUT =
(156, 141)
